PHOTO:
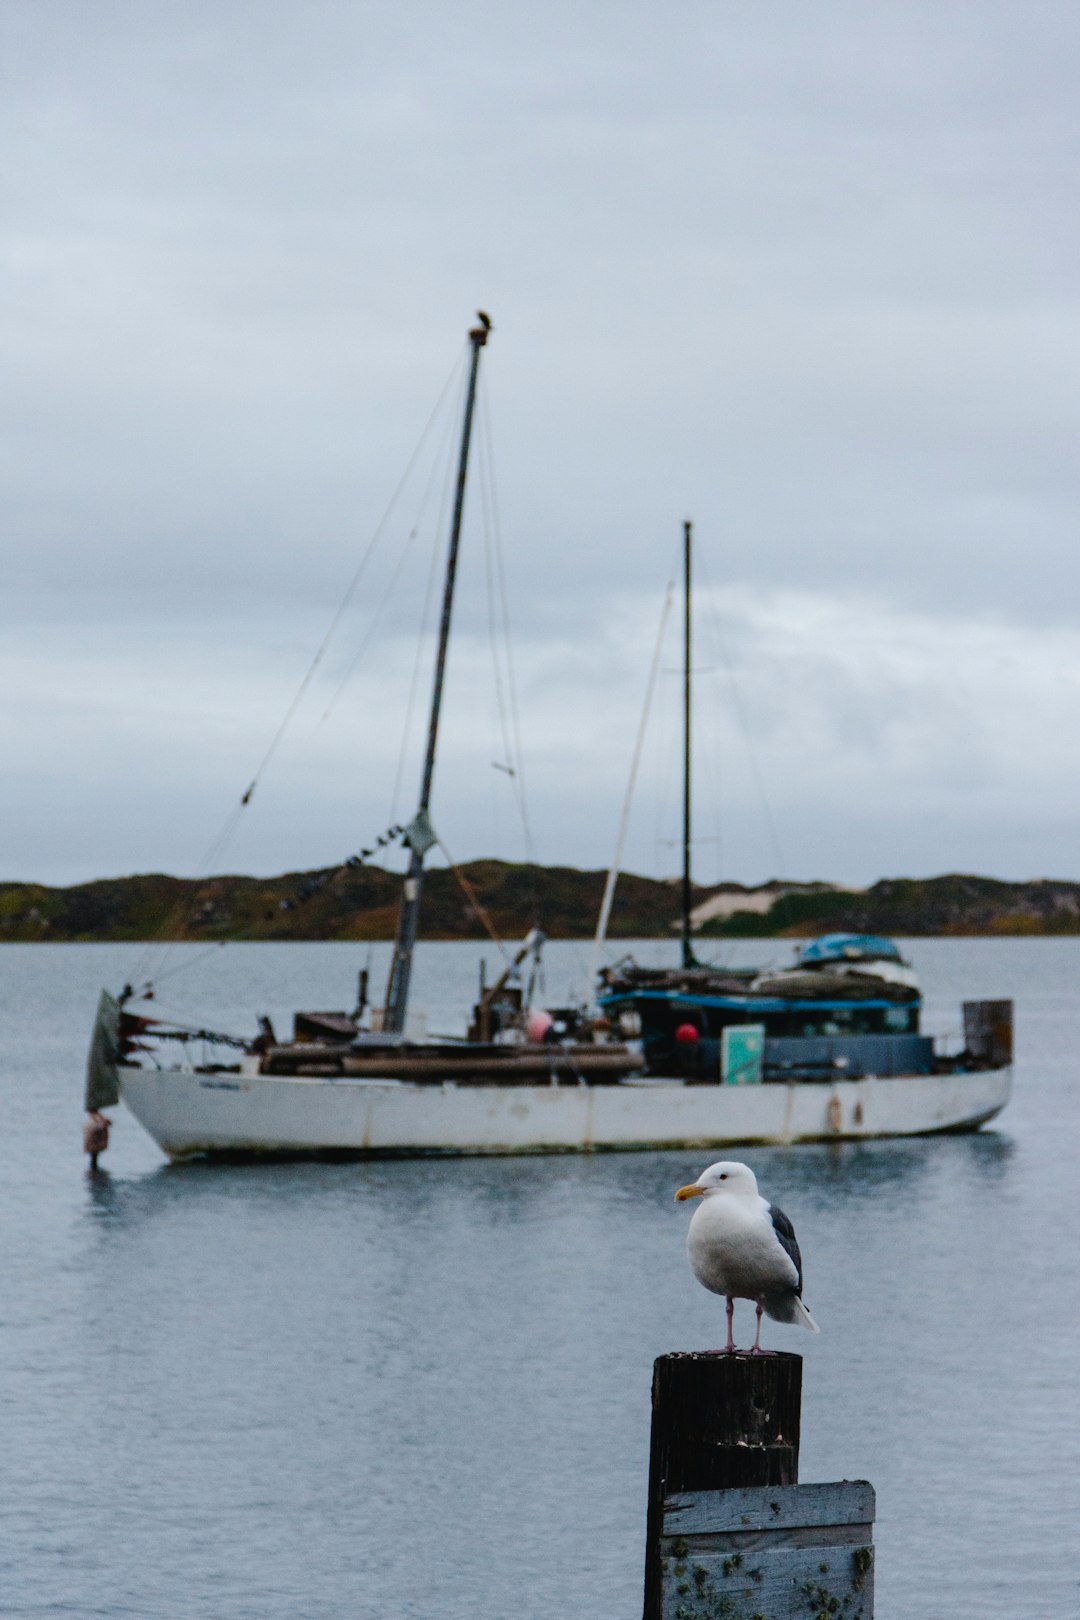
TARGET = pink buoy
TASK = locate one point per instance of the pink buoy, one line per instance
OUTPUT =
(95, 1136)
(538, 1024)
(686, 1035)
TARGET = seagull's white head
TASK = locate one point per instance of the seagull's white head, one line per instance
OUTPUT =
(726, 1179)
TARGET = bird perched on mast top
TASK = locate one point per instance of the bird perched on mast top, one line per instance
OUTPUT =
(744, 1248)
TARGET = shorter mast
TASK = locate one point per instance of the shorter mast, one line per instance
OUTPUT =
(688, 959)
(419, 835)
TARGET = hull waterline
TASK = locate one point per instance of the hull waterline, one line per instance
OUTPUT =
(193, 1114)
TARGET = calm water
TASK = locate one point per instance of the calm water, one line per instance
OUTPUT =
(386, 1391)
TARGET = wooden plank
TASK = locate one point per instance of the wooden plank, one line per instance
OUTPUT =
(813, 1535)
(782, 1507)
(782, 1583)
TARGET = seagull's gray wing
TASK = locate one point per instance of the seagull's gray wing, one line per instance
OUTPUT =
(785, 1234)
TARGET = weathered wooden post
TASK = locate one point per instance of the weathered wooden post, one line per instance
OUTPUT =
(731, 1533)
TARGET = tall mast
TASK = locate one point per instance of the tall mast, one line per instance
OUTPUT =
(419, 835)
(687, 948)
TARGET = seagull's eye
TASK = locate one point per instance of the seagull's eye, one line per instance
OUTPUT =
(724, 1176)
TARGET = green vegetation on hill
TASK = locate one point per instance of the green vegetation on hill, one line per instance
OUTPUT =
(564, 902)
(348, 904)
(954, 904)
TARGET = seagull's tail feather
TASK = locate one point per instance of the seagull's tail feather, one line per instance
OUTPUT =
(790, 1308)
(804, 1319)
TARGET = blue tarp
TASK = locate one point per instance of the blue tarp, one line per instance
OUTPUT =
(849, 948)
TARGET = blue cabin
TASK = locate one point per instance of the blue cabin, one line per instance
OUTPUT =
(822, 1014)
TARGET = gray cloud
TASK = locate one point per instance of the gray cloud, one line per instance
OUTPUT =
(809, 278)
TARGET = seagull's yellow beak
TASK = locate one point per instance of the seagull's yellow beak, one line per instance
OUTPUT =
(693, 1191)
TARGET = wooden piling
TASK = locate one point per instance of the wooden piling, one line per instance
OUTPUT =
(718, 1421)
(730, 1531)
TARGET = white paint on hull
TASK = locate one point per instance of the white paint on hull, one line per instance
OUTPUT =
(190, 1113)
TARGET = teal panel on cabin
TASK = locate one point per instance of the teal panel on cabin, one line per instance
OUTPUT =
(742, 1054)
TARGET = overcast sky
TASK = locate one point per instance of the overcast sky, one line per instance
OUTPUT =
(808, 275)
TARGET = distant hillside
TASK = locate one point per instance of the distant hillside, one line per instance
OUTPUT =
(563, 901)
(955, 904)
(349, 904)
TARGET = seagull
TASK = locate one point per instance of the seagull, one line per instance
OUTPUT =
(740, 1246)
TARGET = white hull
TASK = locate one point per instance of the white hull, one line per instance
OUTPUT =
(188, 1113)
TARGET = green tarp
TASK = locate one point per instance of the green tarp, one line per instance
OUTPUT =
(102, 1080)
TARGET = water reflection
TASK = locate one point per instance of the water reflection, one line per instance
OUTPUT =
(260, 1373)
(827, 1176)
(104, 1194)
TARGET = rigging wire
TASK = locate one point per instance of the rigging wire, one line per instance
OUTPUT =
(714, 763)
(177, 1029)
(366, 640)
(160, 978)
(613, 871)
(499, 622)
(498, 679)
(313, 885)
(175, 921)
(427, 611)
(667, 751)
(350, 589)
(667, 775)
(471, 896)
(438, 462)
(740, 715)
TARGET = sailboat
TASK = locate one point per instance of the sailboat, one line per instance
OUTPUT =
(336, 1085)
(828, 1047)
(519, 1081)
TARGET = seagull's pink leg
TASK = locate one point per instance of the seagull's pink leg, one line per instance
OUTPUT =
(730, 1346)
(757, 1350)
